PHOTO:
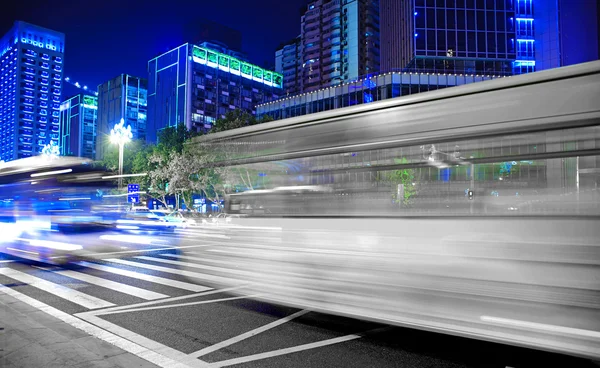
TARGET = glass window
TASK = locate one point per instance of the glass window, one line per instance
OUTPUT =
(441, 41)
(491, 20)
(450, 21)
(431, 43)
(460, 19)
(480, 20)
(420, 18)
(430, 18)
(441, 19)
(500, 19)
(450, 3)
(471, 20)
(481, 43)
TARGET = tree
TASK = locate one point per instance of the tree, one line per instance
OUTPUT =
(237, 119)
(404, 177)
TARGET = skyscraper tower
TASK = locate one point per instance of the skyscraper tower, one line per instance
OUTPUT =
(340, 42)
(453, 36)
(31, 63)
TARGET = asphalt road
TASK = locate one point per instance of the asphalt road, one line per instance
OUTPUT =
(167, 299)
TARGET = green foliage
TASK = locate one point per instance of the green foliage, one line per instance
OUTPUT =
(406, 177)
(237, 119)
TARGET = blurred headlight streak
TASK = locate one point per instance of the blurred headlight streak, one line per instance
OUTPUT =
(55, 245)
(55, 172)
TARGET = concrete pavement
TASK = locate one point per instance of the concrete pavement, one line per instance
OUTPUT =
(32, 338)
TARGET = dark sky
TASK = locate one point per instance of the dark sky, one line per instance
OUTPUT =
(108, 37)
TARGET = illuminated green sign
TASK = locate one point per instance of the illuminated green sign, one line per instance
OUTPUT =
(212, 57)
(223, 61)
(246, 69)
(257, 72)
(268, 76)
(232, 65)
(90, 102)
(277, 80)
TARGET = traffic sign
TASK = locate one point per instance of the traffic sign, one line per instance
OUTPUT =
(133, 198)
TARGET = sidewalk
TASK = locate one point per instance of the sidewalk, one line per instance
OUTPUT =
(30, 338)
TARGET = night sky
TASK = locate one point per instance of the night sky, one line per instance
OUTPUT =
(108, 37)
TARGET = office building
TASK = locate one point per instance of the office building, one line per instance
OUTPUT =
(455, 36)
(376, 88)
(288, 62)
(78, 124)
(124, 97)
(339, 42)
(566, 31)
(196, 85)
(31, 63)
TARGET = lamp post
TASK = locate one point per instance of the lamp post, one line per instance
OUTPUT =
(121, 135)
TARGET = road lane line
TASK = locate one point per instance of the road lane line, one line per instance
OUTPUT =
(275, 353)
(145, 277)
(151, 250)
(197, 275)
(195, 265)
(74, 296)
(155, 302)
(168, 358)
(542, 327)
(246, 335)
(104, 313)
(116, 286)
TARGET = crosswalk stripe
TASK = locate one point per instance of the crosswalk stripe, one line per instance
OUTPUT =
(116, 286)
(145, 277)
(176, 271)
(64, 292)
(195, 265)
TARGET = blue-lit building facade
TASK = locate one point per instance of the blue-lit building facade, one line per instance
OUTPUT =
(365, 90)
(453, 36)
(487, 36)
(123, 97)
(78, 124)
(31, 63)
(196, 85)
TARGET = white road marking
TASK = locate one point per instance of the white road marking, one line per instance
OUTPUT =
(542, 327)
(71, 295)
(145, 277)
(152, 250)
(169, 300)
(6, 261)
(116, 286)
(270, 354)
(246, 335)
(166, 359)
(104, 313)
(195, 265)
(176, 271)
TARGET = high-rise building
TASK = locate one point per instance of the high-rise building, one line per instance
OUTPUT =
(124, 97)
(454, 36)
(31, 63)
(196, 85)
(288, 61)
(566, 31)
(340, 42)
(78, 124)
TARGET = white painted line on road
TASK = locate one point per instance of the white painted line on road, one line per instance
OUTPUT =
(542, 327)
(71, 295)
(275, 353)
(116, 286)
(145, 277)
(195, 265)
(201, 276)
(169, 300)
(104, 313)
(6, 261)
(148, 354)
(151, 250)
(246, 335)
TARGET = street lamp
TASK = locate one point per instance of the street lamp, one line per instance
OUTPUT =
(51, 150)
(121, 135)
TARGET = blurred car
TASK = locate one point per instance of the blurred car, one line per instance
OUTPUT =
(222, 219)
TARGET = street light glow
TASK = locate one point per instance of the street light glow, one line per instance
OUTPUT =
(120, 134)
